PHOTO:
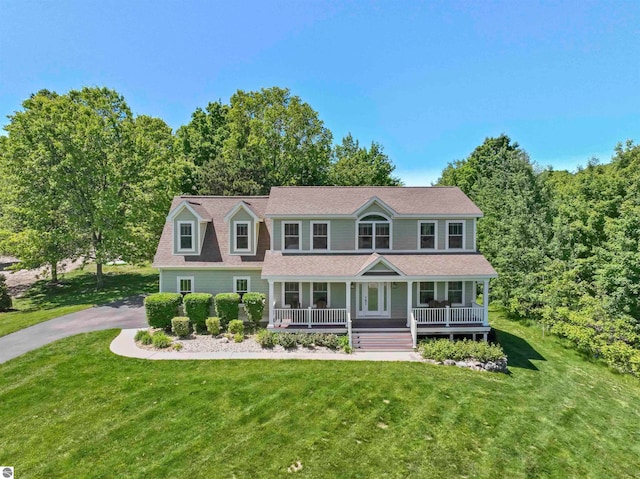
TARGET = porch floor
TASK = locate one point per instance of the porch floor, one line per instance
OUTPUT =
(387, 323)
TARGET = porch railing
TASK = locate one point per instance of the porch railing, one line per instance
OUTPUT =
(449, 316)
(414, 329)
(310, 317)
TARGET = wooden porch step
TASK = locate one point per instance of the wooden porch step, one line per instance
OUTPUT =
(383, 341)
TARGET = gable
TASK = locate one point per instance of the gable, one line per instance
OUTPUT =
(193, 211)
(375, 206)
(377, 265)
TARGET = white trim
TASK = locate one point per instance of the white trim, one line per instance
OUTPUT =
(160, 281)
(361, 286)
(373, 233)
(379, 260)
(374, 199)
(446, 235)
(382, 251)
(194, 233)
(435, 291)
(446, 291)
(435, 235)
(475, 234)
(213, 268)
(235, 251)
(241, 205)
(328, 291)
(235, 283)
(299, 292)
(396, 216)
(190, 278)
(178, 209)
(311, 224)
(299, 223)
(342, 279)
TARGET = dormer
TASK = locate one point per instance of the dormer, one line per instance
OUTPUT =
(374, 226)
(189, 225)
(244, 226)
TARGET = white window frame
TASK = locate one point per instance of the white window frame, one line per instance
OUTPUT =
(185, 278)
(464, 236)
(235, 237)
(284, 225)
(328, 292)
(299, 292)
(446, 292)
(312, 224)
(435, 235)
(373, 232)
(435, 290)
(241, 278)
(180, 249)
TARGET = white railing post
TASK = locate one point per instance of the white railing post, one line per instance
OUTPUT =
(447, 315)
(485, 302)
(414, 331)
(349, 330)
(272, 303)
(309, 316)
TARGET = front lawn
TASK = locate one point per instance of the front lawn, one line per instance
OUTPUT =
(77, 291)
(73, 409)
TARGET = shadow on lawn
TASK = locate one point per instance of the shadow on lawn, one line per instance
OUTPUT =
(519, 352)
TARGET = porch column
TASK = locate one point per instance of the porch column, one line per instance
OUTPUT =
(271, 300)
(485, 302)
(409, 302)
(348, 298)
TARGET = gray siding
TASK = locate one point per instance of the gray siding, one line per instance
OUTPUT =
(213, 281)
(442, 234)
(343, 234)
(405, 234)
(399, 300)
(469, 232)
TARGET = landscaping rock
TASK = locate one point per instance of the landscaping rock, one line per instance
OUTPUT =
(449, 362)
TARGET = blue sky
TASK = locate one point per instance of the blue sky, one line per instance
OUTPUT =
(427, 80)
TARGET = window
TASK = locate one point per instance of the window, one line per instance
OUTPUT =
(186, 235)
(321, 294)
(374, 232)
(454, 292)
(292, 294)
(242, 236)
(319, 235)
(455, 236)
(185, 284)
(426, 292)
(291, 235)
(427, 235)
(241, 285)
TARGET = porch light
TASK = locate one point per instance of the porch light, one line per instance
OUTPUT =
(394, 285)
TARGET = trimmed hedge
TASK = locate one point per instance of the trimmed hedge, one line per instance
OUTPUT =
(197, 307)
(254, 306)
(236, 326)
(180, 326)
(213, 326)
(443, 349)
(161, 308)
(266, 338)
(227, 306)
(5, 298)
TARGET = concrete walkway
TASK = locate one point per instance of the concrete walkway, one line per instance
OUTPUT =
(128, 313)
(124, 345)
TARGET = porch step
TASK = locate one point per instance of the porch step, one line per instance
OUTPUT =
(383, 341)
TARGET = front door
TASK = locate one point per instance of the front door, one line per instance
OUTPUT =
(373, 300)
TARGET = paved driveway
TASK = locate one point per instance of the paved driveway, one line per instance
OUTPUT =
(125, 314)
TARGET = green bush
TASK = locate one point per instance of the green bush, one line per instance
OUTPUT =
(227, 307)
(161, 308)
(160, 340)
(197, 306)
(5, 299)
(254, 306)
(143, 336)
(266, 338)
(213, 326)
(327, 340)
(236, 326)
(443, 349)
(287, 340)
(180, 326)
(305, 339)
(343, 342)
(238, 337)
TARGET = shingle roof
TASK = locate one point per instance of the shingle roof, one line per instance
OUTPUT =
(277, 264)
(346, 200)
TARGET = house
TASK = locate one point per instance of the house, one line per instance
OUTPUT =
(397, 261)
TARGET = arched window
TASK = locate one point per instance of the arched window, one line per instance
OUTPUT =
(374, 232)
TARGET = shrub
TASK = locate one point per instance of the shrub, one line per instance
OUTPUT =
(160, 340)
(180, 326)
(266, 338)
(343, 342)
(236, 326)
(227, 306)
(143, 336)
(177, 346)
(443, 349)
(327, 340)
(161, 308)
(287, 340)
(254, 306)
(238, 337)
(197, 307)
(5, 298)
(213, 326)
(305, 339)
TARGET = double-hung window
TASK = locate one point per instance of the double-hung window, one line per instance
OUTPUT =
(426, 292)
(242, 242)
(454, 292)
(292, 294)
(374, 232)
(291, 236)
(455, 235)
(185, 240)
(241, 285)
(321, 294)
(319, 236)
(428, 235)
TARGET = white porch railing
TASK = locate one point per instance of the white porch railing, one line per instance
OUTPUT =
(310, 317)
(349, 330)
(449, 316)
(414, 329)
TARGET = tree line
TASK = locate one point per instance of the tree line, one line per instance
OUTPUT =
(84, 177)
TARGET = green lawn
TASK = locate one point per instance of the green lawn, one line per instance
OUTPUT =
(73, 409)
(75, 292)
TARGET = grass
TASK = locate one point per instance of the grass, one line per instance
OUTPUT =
(73, 409)
(75, 292)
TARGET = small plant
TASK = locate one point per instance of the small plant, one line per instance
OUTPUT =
(197, 307)
(161, 308)
(327, 340)
(305, 339)
(254, 306)
(177, 346)
(213, 326)
(180, 326)
(227, 306)
(143, 337)
(238, 337)
(266, 338)
(343, 342)
(287, 340)
(236, 326)
(160, 340)
(5, 298)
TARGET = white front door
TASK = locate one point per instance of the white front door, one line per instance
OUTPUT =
(373, 300)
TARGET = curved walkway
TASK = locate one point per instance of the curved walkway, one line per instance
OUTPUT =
(124, 345)
(127, 313)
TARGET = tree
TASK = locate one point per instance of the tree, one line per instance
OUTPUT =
(107, 175)
(356, 166)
